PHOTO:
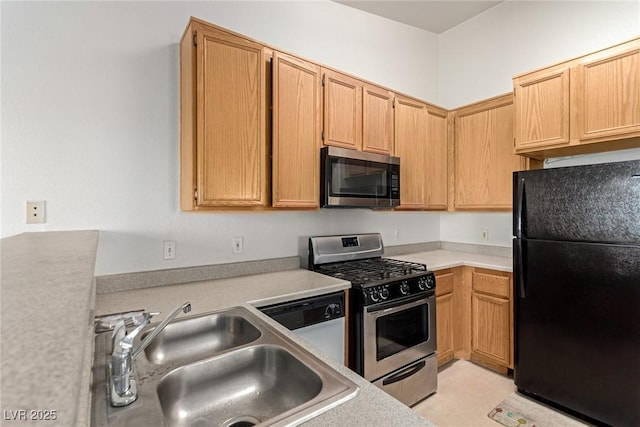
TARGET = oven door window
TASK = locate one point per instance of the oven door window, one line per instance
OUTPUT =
(402, 330)
(358, 178)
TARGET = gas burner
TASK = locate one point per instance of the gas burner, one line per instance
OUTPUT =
(372, 271)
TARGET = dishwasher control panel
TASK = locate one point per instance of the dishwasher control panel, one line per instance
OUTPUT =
(308, 311)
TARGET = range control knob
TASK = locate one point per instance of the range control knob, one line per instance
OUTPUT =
(404, 288)
(422, 284)
(431, 282)
(384, 293)
(373, 294)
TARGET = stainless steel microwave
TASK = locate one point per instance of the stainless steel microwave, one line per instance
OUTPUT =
(350, 178)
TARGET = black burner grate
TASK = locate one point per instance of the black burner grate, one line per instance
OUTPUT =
(363, 272)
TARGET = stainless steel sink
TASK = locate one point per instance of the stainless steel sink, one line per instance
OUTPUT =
(198, 337)
(228, 368)
(251, 385)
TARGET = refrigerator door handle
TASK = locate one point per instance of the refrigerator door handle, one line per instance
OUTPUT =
(520, 268)
(520, 208)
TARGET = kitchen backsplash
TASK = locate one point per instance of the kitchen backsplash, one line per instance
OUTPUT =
(146, 279)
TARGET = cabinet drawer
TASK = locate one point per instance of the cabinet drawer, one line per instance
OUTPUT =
(491, 283)
(444, 282)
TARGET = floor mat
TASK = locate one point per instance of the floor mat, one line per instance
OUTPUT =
(519, 411)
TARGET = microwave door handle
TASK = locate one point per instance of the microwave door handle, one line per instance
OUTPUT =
(406, 373)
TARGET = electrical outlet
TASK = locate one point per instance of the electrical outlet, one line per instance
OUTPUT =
(35, 212)
(484, 234)
(237, 245)
(169, 249)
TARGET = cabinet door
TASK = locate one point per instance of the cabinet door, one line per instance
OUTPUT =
(436, 173)
(342, 110)
(541, 116)
(377, 120)
(490, 328)
(444, 324)
(296, 132)
(606, 95)
(410, 139)
(484, 159)
(444, 316)
(231, 129)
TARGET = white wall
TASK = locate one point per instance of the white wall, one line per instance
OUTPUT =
(479, 57)
(90, 112)
(90, 122)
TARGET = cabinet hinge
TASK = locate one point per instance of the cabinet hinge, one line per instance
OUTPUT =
(195, 39)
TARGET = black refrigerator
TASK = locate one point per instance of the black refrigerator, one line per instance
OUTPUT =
(576, 259)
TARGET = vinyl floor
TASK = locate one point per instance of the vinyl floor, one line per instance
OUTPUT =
(466, 394)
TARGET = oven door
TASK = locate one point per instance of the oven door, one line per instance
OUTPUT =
(397, 333)
(352, 178)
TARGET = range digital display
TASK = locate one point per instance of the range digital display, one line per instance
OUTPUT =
(350, 242)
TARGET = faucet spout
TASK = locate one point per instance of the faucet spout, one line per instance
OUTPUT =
(186, 307)
(123, 385)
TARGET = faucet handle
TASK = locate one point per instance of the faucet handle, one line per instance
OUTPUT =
(127, 342)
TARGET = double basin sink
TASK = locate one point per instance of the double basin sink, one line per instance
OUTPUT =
(227, 368)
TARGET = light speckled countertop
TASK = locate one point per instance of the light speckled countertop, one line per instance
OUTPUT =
(441, 259)
(371, 406)
(47, 296)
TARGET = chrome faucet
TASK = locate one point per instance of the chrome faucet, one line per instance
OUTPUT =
(124, 390)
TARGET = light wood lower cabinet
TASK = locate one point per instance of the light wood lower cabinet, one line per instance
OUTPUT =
(444, 315)
(474, 316)
(491, 318)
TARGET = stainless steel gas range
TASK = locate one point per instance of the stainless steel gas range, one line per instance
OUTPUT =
(392, 313)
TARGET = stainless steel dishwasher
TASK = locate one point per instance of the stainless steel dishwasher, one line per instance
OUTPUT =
(318, 320)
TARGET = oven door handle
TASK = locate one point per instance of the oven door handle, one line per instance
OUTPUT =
(405, 373)
(384, 309)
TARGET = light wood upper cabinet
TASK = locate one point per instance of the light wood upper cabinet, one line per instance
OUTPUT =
(377, 120)
(436, 170)
(542, 109)
(342, 110)
(357, 115)
(410, 142)
(223, 111)
(484, 159)
(606, 102)
(584, 105)
(297, 125)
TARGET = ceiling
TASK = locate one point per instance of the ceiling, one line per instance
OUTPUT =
(434, 16)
